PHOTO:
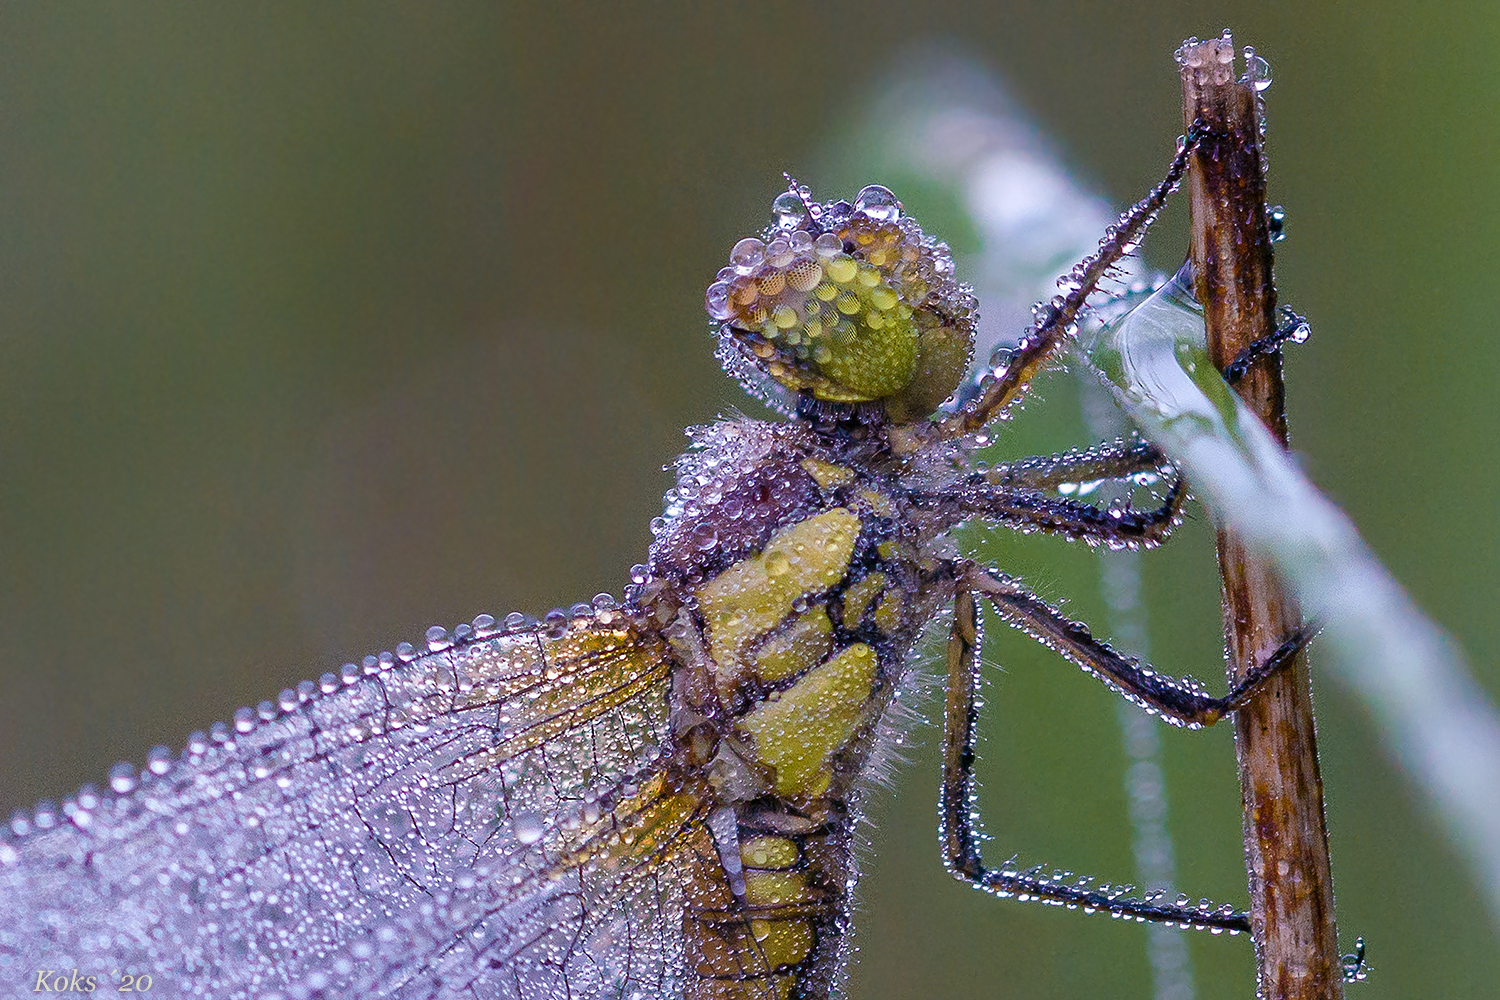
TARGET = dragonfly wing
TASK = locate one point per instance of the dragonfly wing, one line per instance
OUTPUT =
(413, 828)
(604, 919)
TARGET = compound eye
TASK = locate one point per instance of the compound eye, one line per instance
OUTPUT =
(848, 303)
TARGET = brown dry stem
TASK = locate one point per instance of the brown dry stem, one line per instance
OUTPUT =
(1286, 837)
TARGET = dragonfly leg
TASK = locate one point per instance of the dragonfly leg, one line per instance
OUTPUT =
(1027, 510)
(958, 834)
(1291, 329)
(1055, 320)
(1180, 701)
(1110, 460)
(1012, 495)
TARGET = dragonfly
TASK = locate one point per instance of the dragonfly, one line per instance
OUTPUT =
(656, 796)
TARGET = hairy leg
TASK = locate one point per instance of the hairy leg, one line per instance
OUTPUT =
(958, 833)
(1029, 510)
(1180, 701)
(1055, 321)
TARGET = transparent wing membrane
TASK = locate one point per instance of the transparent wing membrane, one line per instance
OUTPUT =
(416, 827)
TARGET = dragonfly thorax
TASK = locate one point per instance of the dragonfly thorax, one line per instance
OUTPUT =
(788, 580)
(792, 579)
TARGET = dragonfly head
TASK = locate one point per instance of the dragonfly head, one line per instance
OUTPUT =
(846, 303)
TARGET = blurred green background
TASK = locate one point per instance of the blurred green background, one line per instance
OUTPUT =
(321, 324)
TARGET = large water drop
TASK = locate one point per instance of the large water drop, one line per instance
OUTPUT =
(877, 202)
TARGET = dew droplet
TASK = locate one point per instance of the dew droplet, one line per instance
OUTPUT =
(788, 211)
(1276, 221)
(877, 202)
(159, 760)
(748, 254)
(716, 301)
(827, 245)
(804, 275)
(121, 778)
(705, 537)
(1257, 71)
(527, 827)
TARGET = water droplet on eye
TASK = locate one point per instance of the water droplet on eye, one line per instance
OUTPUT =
(804, 275)
(779, 254)
(877, 202)
(159, 760)
(716, 301)
(748, 254)
(527, 827)
(122, 778)
(787, 211)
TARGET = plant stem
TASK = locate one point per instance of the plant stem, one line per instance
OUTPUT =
(1286, 836)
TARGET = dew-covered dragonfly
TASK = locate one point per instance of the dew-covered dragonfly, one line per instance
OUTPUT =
(656, 796)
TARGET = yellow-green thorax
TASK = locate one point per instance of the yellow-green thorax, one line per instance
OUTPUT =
(802, 629)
